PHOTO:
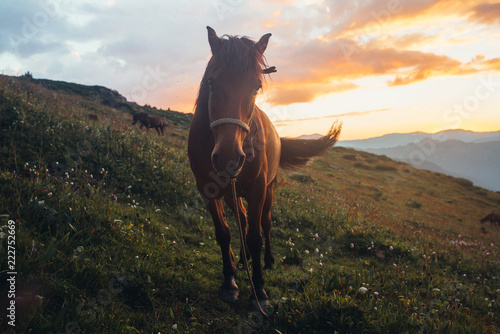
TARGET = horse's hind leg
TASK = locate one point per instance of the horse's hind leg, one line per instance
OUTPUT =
(243, 220)
(229, 290)
(266, 228)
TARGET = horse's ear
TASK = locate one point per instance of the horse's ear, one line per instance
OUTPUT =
(261, 45)
(214, 40)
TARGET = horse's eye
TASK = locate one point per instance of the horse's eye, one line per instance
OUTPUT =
(256, 90)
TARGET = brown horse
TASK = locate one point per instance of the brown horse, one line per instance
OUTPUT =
(149, 122)
(231, 138)
(493, 218)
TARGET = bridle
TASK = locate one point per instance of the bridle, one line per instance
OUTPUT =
(234, 121)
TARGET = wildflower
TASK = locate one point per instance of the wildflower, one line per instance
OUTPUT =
(306, 252)
(375, 293)
(352, 245)
(57, 163)
(390, 248)
(174, 326)
(362, 290)
(316, 250)
(375, 308)
(49, 194)
(436, 290)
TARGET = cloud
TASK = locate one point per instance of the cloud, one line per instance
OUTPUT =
(320, 67)
(284, 94)
(351, 114)
(405, 42)
(319, 47)
(487, 13)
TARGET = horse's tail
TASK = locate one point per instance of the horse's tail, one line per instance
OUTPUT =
(298, 152)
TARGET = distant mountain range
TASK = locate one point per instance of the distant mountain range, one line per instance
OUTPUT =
(460, 153)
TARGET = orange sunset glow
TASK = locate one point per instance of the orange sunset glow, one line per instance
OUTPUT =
(378, 66)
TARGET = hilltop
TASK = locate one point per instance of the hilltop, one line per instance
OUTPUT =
(112, 236)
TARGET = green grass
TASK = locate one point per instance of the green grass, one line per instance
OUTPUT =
(112, 233)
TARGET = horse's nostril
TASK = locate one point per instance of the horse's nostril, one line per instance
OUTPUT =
(241, 161)
(216, 162)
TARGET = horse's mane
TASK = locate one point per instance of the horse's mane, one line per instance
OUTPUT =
(238, 57)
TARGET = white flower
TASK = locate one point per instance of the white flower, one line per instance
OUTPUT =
(390, 248)
(352, 245)
(362, 290)
(174, 326)
(306, 252)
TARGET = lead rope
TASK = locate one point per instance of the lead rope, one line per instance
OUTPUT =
(244, 246)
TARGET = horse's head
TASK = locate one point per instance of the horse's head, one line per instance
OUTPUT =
(232, 80)
(135, 118)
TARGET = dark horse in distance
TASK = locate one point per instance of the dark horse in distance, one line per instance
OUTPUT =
(231, 138)
(493, 218)
(149, 122)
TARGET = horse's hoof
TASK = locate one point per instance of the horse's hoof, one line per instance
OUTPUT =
(269, 266)
(229, 291)
(264, 306)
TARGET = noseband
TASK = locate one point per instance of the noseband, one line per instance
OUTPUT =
(234, 121)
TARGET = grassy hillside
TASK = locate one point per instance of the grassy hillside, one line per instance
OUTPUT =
(111, 235)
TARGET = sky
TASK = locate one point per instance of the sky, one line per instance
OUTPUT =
(378, 66)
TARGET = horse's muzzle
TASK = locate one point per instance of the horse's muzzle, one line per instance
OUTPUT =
(231, 167)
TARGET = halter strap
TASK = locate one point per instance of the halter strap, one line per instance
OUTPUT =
(234, 121)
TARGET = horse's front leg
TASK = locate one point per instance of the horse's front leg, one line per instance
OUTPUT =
(267, 223)
(243, 221)
(229, 290)
(254, 240)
